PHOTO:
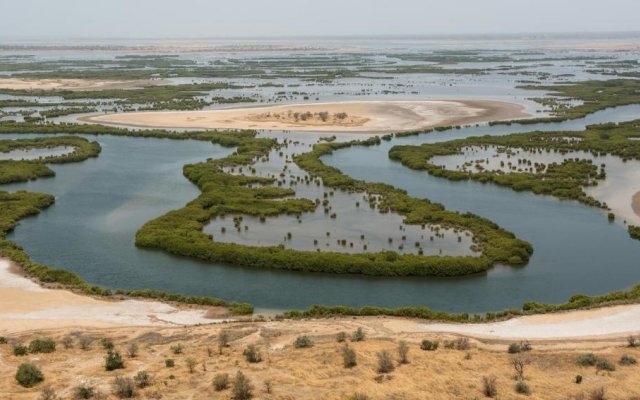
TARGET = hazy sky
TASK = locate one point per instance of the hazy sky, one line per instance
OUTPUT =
(234, 18)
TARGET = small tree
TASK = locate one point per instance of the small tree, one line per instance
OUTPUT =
(252, 354)
(348, 357)
(518, 364)
(28, 375)
(403, 352)
(220, 382)
(242, 388)
(385, 362)
(124, 388)
(113, 361)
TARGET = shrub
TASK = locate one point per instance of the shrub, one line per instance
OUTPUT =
(242, 388)
(252, 354)
(587, 359)
(598, 394)
(519, 347)
(42, 346)
(113, 361)
(20, 350)
(177, 349)
(632, 341)
(67, 342)
(522, 388)
(578, 379)
(84, 392)
(627, 360)
(142, 379)
(169, 363)
(385, 362)
(605, 365)
(3, 340)
(124, 388)
(107, 344)
(84, 342)
(403, 352)
(348, 357)
(462, 344)
(28, 375)
(191, 365)
(341, 337)
(220, 382)
(428, 345)
(489, 387)
(223, 340)
(358, 335)
(132, 350)
(48, 394)
(303, 342)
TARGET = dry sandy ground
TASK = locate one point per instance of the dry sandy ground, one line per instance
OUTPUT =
(379, 116)
(73, 84)
(635, 203)
(25, 305)
(287, 373)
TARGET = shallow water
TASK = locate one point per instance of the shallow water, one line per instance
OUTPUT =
(102, 202)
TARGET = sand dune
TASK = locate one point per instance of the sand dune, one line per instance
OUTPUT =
(371, 116)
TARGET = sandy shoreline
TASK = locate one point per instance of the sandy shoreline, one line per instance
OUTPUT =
(25, 306)
(378, 116)
(74, 84)
(635, 203)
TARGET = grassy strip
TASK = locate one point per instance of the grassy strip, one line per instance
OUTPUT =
(565, 180)
(576, 302)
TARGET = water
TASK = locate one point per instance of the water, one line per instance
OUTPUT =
(102, 202)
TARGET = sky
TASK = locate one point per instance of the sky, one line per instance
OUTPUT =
(57, 19)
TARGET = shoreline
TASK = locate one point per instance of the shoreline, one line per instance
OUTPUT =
(382, 116)
(26, 306)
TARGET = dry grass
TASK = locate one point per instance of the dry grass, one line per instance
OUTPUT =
(316, 372)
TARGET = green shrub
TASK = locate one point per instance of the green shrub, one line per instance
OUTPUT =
(587, 359)
(522, 387)
(220, 382)
(28, 375)
(20, 350)
(303, 342)
(84, 392)
(177, 349)
(489, 387)
(142, 379)
(605, 365)
(107, 344)
(113, 361)
(3, 340)
(169, 363)
(428, 345)
(42, 346)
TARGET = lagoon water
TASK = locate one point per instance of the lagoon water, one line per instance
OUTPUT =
(102, 202)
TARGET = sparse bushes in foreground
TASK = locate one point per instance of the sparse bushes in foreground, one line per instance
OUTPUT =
(124, 388)
(142, 379)
(428, 345)
(358, 335)
(627, 360)
(385, 362)
(489, 386)
(348, 357)
(403, 352)
(252, 354)
(28, 375)
(220, 382)
(303, 342)
(85, 392)
(242, 387)
(113, 361)
(48, 394)
(20, 350)
(42, 346)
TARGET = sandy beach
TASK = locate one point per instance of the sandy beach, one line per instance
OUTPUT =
(369, 116)
(73, 84)
(25, 305)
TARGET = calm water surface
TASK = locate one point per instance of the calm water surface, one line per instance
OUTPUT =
(102, 202)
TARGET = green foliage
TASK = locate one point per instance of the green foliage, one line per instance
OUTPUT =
(302, 342)
(42, 346)
(242, 387)
(252, 354)
(348, 357)
(28, 375)
(428, 345)
(634, 232)
(113, 360)
(358, 335)
(627, 360)
(107, 343)
(169, 363)
(20, 350)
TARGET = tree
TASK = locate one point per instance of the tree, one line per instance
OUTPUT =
(28, 375)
